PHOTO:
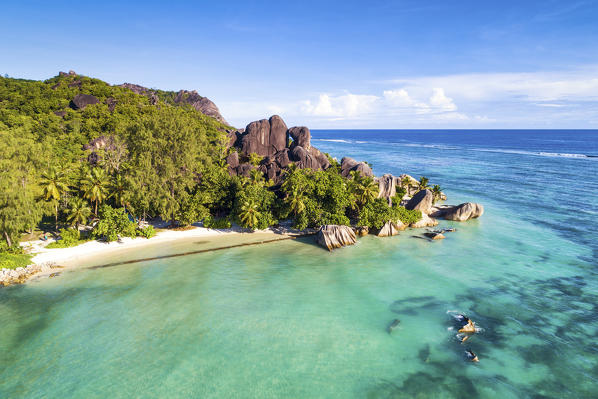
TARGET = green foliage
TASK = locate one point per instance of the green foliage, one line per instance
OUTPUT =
(406, 216)
(79, 212)
(12, 261)
(217, 223)
(423, 183)
(113, 223)
(314, 198)
(253, 207)
(147, 231)
(376, 213)
(154, 156)
(255, 159)
(68, 238)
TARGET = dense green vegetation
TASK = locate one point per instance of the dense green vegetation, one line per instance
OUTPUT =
(123, 159)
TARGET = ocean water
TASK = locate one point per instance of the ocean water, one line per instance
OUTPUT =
(289, 319)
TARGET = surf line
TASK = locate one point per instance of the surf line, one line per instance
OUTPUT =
(199, 251)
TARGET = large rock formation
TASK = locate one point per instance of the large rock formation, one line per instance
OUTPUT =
(387, 187)
(264, 137)
(301, 136)
(80, 101)
(269, 138)
(422, 201)
(463, 212)
(349, 164)
(333, 236)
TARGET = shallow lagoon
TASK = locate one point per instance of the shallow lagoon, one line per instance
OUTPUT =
(289, 319)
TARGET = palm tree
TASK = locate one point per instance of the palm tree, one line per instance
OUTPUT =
(249, 214)
(406, 184)
(119, 190)
(53, 186)
(296, 202)
(367, 190)
(79, 212)
(95, 187)
(423, 183)
(437, 191)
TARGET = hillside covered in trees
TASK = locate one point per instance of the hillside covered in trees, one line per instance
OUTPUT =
(77, 151)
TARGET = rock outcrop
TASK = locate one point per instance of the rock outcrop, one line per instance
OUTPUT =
(361, 231)
(422, 201)
(413, 186)
(201, 104)
(463, 212)
(80, 101)
(301, 136)
(390, 228)
(349, 164)
(21, 274)
(334, 236)
(425, 221)
(387, 187)
(264, 137)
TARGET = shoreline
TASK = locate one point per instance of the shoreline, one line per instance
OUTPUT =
(46, 262)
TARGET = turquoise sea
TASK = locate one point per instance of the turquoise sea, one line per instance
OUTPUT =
(289, 319)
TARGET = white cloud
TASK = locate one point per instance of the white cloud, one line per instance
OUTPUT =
(540, 99)
(441, 101)
(538, 86)
(342, 106)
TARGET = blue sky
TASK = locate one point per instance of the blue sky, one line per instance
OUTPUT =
(346, 64)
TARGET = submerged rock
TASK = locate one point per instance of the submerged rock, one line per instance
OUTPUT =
(434, 235)
(422, 201)
(463, 212)
(394, 324)
(332, 236)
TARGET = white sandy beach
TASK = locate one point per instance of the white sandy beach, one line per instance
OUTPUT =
(69, 256)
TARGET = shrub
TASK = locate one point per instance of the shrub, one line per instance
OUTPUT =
(68, 238)
(147, 232)
(114, 223)
(211, 222)
(12, 261)
(406, 216)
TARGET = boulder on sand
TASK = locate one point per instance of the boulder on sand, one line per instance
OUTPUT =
(422, 201)
(332, 236)
(463, 212)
